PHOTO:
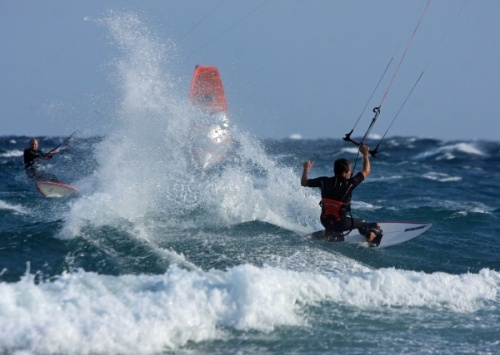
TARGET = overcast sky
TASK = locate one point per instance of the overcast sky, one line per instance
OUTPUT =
(303, 67)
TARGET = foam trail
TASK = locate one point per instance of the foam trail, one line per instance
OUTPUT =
(12, 154)
(16, 208)
(448, 152)
(87, 313)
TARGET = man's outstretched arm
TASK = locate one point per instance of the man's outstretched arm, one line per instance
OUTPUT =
(365, 150)
(306, 167)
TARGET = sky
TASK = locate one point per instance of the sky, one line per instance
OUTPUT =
(289, 67)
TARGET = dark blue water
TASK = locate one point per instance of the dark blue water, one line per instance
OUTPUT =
(153, 260)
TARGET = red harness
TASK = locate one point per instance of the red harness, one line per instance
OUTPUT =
(331, 209)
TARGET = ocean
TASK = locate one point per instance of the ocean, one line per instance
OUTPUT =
(155, 259)
(154, 256)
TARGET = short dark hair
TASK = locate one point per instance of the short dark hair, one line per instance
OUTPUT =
(341, 166)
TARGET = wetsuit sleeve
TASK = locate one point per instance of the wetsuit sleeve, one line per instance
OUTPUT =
(315, 182)
(357, 179)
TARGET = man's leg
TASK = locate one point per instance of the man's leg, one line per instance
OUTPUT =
(333, 236)
(371, 231)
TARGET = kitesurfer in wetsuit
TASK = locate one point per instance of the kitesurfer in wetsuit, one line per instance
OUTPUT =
(336, 194)
(32, 160)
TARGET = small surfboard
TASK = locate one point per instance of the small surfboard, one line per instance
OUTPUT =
(210, 137)
(394, 233)
(55, 189)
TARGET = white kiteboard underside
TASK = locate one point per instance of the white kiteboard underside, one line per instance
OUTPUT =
(394, 233)
(55, 189)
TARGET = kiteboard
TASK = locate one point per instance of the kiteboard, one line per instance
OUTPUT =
(55, 189)
(210, 137)
(393, 233)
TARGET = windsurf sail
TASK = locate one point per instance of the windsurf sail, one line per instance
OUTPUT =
(210, 136)
(207, 91)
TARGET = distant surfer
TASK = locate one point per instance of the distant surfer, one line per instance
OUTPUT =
(32, 162)
(336, 195)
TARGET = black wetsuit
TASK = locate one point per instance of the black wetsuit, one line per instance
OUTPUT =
(340, 189)
(32, 160)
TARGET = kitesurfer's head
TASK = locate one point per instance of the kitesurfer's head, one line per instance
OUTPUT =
(341, 167)
(33, 143)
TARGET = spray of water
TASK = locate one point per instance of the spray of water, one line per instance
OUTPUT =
(145, 170)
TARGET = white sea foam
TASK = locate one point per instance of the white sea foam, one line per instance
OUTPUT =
(16, 208)
(447, 152)
(468, 148)
(141, 160)
(12, 153)
(145, 168)
(441, 177)
(464, 207)
(88, 313)
(351, 150)
(234, 197)
(375, 136)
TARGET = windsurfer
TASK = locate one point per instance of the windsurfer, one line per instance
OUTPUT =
(32, 161)
(336, 195)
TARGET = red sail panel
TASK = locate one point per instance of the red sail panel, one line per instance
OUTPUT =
(207, 91)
